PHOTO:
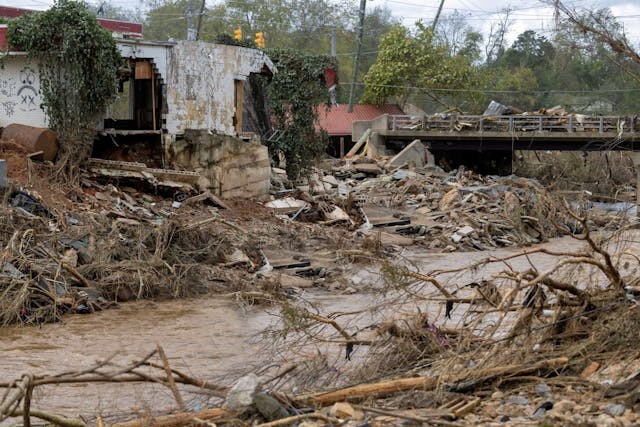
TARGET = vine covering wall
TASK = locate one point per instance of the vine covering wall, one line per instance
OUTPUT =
(296, 92)
(78, 63)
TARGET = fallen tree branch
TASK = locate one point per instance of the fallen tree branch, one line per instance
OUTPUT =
(465, 381)
(51, 418)
(293, 419)
(172, 383)
(176, 420)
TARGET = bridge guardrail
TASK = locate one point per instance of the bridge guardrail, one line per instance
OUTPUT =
(517, 123)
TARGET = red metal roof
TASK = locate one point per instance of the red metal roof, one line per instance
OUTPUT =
(130, 28)
(12, 12)
(3, 38)
(337, 121)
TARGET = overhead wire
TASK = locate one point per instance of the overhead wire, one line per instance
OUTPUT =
(493, 91)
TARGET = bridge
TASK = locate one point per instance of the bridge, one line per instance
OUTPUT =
(459, 132)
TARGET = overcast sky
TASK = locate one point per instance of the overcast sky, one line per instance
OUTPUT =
(527, 14)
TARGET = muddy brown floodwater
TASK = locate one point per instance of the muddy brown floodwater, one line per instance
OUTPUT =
(206, 337)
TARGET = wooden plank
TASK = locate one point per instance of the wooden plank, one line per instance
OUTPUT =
(143, 70)
(359, 144)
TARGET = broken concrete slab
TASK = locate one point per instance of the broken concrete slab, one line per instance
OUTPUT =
(288, 205)
(242, 393)
(393, 239)
(368, 168)
(331, 180)
(412, 156)
(236, 258)
(215, 200)
(461, 233)
(336, 215)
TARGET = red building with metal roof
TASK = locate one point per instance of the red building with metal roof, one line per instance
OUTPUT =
(337, 122)
(127, 29)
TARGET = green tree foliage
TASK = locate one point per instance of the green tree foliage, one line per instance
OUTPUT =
(295, 95)
(78, 63)
(409, 61)
(518, 84)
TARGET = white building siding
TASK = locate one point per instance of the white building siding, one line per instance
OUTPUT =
(200, 87)
(20, 99)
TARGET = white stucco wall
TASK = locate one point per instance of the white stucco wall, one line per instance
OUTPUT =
(20, 99)
(158, 52)
(200, 87)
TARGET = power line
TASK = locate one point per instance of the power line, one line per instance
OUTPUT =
(488, 91)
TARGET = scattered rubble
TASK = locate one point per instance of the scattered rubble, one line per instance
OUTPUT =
(459, 211)
(517, 347)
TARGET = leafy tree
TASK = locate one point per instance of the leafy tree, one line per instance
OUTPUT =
(408, 63)
(521, 81)
(295, 95)
(165, 20)
(78, 63)
(529, 50)
(378, 21)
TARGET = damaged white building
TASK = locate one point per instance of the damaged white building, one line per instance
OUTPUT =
(191, 106)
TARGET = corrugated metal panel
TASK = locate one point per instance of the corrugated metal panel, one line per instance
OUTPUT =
(337, 121)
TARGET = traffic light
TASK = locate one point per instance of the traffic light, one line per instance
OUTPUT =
(259, 40)
(237, 34)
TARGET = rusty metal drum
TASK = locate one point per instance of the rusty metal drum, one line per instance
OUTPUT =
(33, 139)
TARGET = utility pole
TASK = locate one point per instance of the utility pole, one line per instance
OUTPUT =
(200, 19)
(363, 5)
(191, 29)
(334, 43)
(435, 21)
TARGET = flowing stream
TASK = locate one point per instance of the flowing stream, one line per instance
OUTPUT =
(207, 337)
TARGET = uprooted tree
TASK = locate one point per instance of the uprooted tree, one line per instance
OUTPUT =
(78, 63)
(295, 94)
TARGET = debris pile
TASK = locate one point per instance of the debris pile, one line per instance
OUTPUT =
(83, 247)
(502, 118)
(459, 211)
(523, 347)
(499, 340)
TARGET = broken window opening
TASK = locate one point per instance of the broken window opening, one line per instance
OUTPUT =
(141, 89)
(133, 130)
